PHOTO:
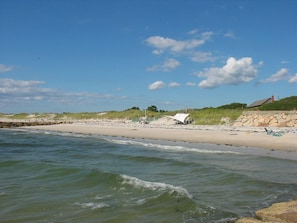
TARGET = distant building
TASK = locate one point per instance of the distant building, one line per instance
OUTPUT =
(261, 102)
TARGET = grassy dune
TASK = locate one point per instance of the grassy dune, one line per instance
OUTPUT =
(205, 116)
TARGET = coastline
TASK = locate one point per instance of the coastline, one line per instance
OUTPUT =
(218, 134)
(240, 137)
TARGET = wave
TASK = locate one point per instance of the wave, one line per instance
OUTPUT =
(92, 205)
(155, 186)
(172, 148)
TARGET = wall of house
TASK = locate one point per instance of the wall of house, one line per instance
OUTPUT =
(267, 118)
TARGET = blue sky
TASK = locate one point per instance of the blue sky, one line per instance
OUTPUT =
(87, 55)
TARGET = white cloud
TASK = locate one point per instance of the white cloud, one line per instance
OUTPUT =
(284, 62)
(191, 84)
(193, 32)
(230, 35)
(282, 74)
(17, 86)
(202, 56)
(173, 84)
(176, 46)
(17, 91)
(233, 73)
(4, 68)
(168, 65)
(156, 85)
(293, 79)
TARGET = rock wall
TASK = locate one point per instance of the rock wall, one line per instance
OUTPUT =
(267, 118)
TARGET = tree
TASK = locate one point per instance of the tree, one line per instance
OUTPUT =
(133, 108)
(152, 108)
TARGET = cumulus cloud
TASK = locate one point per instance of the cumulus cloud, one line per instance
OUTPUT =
(4, 68)
(162, 44)
(173, 84)
(233, 73)
(160, 84)
(168, 65)
(157, 85)
(293, 79)
(282, 74)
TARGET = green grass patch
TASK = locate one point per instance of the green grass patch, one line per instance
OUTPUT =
(289, 103)
(214, 116)
(20, 116)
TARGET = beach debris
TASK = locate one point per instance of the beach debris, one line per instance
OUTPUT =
(273, 133)
(181, 118)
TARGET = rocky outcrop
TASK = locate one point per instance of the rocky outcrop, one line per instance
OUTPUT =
(267, 118)
(285, 212)
(14, 124)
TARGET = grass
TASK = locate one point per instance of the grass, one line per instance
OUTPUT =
(289, 103)
(205, 116)
(214, 116)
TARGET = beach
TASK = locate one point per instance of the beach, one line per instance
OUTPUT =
(283, 139)
(123, 170)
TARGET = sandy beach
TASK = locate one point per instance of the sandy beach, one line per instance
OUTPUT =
(220, 134)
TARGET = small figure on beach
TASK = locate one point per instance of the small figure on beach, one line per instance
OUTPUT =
(271, 132)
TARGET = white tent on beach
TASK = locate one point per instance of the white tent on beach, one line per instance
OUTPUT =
(180, 117)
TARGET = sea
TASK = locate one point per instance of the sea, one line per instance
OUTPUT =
(65, 177)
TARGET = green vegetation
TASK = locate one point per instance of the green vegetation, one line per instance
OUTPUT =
(82, 115)
(131, 114)
(233, 106)
(20, 116)
(204, 116)
(289, 103)
(214, 116)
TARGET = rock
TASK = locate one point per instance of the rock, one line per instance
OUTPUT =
(14, 124)
(280, 212)
(248, 220)
(285, 212)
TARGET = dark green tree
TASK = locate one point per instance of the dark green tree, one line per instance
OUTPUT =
(152, 108)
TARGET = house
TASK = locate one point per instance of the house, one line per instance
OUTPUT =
(261, 102)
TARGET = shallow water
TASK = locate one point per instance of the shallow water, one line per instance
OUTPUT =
(59, 177)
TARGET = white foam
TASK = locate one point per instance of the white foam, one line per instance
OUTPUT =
(155, 186)
(92, 205)
(102, 197)
(171, 147)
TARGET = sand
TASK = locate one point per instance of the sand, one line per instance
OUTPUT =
(219, 134)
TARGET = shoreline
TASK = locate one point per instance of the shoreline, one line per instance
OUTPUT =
(250, 137)
(224, 135)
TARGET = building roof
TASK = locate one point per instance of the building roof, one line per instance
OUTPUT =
(260, 102)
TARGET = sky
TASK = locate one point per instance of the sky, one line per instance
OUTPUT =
(102, 55)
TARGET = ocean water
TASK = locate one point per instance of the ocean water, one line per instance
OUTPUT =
(59, 177)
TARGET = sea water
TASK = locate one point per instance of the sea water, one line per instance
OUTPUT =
(63, 177)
